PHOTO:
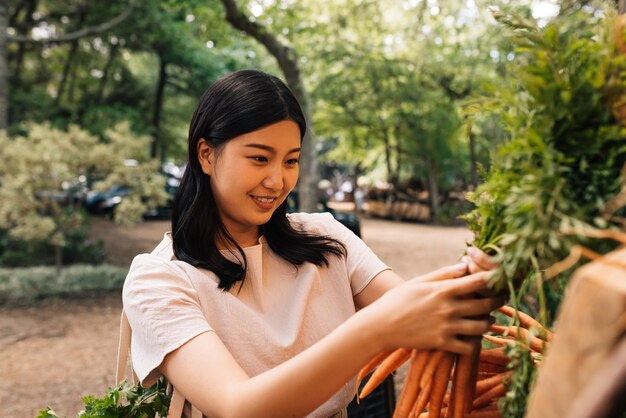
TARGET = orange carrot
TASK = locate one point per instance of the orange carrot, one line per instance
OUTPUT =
(492, 350)
(495, 392)
(490, 368)
(440, 385)
(489, 413)
(371, 366)
(535, 344)
(471, 384)
(388, 365)
(451, 395)
(498, 340)
(434, 360)
(462, 374)
(422, 400)
(494, 356)
(491, 406)
(484, 385)
(411, 384)
(405, 387)
(526, 320)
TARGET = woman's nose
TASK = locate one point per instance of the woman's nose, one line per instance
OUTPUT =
(274, 180)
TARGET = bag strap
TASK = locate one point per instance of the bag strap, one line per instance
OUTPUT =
(177, 402)
(123, 348)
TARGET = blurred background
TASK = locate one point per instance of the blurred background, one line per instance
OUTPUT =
(95, 102)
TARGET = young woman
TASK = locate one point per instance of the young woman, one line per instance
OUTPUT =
(250, 312)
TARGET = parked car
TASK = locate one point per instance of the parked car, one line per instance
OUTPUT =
(104, 203)
(348, 219)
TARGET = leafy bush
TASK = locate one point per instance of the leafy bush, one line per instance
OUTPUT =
(24, 285)
(42, 173)
(77, 249)
(124, 400)
(551, 182)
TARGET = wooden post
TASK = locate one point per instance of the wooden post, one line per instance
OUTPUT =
(589, 336)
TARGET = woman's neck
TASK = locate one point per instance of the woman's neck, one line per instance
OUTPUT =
(244, 239)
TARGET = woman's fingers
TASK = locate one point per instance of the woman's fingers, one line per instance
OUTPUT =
(458, 346)
(472, 267)
(445, 273)
(470, 326)
(476, 307)
(469, 284)
(481, 259)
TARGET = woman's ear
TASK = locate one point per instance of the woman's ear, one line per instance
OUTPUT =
(205, 156)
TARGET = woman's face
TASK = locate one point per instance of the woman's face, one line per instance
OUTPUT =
(252, 175)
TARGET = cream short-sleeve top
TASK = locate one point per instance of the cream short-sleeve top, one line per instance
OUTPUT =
(280, 310)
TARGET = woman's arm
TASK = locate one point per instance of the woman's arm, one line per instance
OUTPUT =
(474, 262)
(388, 279)
(426, 315)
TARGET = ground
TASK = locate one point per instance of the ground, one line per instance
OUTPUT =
(58, 351)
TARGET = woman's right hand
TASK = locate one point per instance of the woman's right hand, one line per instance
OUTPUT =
(434, 313)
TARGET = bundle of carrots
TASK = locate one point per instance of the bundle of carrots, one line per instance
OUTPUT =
(478, 380)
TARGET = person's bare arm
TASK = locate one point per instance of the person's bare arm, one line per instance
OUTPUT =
(425, 315)
(475, 261)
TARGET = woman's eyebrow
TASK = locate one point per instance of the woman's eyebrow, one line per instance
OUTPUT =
(268, 148)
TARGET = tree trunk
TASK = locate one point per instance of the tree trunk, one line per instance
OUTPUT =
(105, 73)
(288, 62)
(4, 94)
(433, 189)
(156, 146)
(387, 142)
(70, 59)
(621, 6)
(58, 258)
(66, 71)
(23, 30)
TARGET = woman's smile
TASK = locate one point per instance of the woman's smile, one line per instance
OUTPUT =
(264, 202)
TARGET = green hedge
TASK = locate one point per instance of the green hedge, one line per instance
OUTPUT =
(24, 285)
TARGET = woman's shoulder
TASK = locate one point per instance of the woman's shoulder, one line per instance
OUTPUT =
(157, 267)
(313, 222)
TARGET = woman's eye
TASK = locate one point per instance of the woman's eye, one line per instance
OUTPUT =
(259, 159)
(292, 161)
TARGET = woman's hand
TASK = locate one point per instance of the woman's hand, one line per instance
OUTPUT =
(434, 313)
(478, 260)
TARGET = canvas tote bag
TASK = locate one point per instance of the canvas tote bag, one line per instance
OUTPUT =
(177, 402)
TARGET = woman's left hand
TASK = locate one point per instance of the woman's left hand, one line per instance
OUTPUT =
(478, 260)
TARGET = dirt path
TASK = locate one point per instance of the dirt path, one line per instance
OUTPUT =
(54, 353)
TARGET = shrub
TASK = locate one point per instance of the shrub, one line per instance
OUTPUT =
(25, 285)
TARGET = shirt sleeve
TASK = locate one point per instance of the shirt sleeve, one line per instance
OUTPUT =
(163, 311)
(362, 264)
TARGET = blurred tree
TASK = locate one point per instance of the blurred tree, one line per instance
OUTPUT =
(3, 66)
(287, 59)
(42, 172)
(150, 70)
(22, 38)
(389, 79)
(378, 72)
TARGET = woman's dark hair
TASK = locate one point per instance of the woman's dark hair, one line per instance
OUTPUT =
(238, 103)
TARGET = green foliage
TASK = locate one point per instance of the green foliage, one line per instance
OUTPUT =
(566, 150)
(520, 383)
(26, 285)
(41, 171)
(77, 248)
(560, 165)
(124, 400)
